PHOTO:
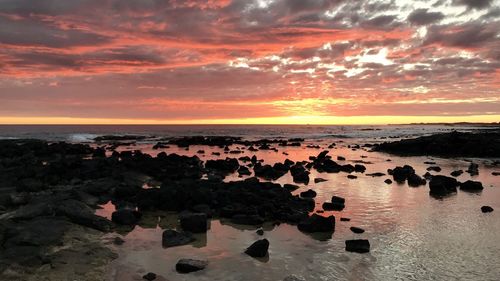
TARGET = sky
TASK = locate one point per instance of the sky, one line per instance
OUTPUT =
(249, 61)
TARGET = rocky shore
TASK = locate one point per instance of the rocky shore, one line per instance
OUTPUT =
(49, 193)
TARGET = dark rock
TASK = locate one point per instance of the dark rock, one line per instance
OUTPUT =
(471, 186)
(456, 173)
(378, 174)
(388, 181)
(290, 187)
(340, 158)
(260, 231)
(473, 169)
(81, 214)
(247, 219)
(357, 229)
(172, 238)
(190, 265)
(149, 276)
(308, 194)
(317, 223)
(486, 209)
(345, 219)
(244, 171)
(352, 177)
(359, 168)
(194, 222)
(318, 180)
(400, 174)
(442, 185)
(357, 245)
(258, 249)
(415, 180)
(434, 168)
(126, 216)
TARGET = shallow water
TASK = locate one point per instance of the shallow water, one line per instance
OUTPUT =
(413, 236)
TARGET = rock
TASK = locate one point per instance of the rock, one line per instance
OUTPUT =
(400, 174)
(258, 249)
(308, 194)
(290, 187)
(357, 229)
(317, 223)
(190, 265)
(495, 173)
(247, 219)
(244, 171)
(473, 169)
(388, 181)
(38, 232)
(260, 231)
(471, 186)
(126, 216)
(149, 276)
(340, 158)
(318, 180)
(299, 174)
(486, 209)
(194, 222)
(434, 168)
(456, 173)
(81, 214)
(172, 238)
(415, 180)
(357, 246)
(378, 174)
(442, 185)
(345, 219)
(352, 177)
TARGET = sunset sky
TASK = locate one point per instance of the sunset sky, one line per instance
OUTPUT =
(249, 61)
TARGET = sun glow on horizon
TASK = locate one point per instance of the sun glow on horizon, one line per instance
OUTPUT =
(282, 120)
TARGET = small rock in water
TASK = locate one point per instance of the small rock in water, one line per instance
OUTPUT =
(456, 173)
(190, 265)
(150, 276)
(388, 181)
(260, 231)
(442, 185)
(471, 186)
(495, 173)
(258, 249)
(317, 223)
(345, 219)
(352, 177)
(318, 180)
(357, 229)
(486, 209)
(357, 246)
(415, 180)
(308, 194)
(125, 216)
(172, 238)
(434, 168)
(473, 169)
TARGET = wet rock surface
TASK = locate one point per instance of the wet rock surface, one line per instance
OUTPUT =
(190, 265)
(357, 246)
(258, 249)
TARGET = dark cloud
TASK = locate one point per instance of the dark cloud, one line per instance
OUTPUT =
(474, 4)
(473, 35)
(424, 17)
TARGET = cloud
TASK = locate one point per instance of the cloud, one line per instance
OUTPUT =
(424, 17)
(474, 4)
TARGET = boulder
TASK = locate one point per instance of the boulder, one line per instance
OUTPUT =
(317, 223)
(357, 246)
(471, 186)
(308, 194)
(400, 174)
(190, 265)
(172, 238)
(258, 249)
(442, 185)
(415, 180)
(456, 173)
(194, 222)
(126, 216)
(149, 276)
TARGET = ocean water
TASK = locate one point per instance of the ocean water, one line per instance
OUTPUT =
(413, 236)
(86, 133)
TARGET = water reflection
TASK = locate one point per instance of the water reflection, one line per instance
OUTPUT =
(413, 236)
